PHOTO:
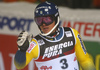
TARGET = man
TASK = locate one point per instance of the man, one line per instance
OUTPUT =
(55, 48)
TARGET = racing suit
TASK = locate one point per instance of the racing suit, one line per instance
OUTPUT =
(60, 52)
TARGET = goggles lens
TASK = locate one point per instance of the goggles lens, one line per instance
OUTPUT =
(44, 20)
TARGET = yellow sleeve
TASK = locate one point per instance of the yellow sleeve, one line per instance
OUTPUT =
(33, 51)
(82, 55)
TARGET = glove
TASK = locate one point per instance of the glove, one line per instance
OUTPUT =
(23, 41)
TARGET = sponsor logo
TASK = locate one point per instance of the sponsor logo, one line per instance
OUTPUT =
(41, 42)
(68, 34)
(15, 23)
(56, 49)
(75, 59)
(83, 47)
(32, 45)
(44, 7)
(45, 68)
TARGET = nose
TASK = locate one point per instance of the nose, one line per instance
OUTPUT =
(43, 24)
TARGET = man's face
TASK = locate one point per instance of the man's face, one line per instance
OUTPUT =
(46, 28)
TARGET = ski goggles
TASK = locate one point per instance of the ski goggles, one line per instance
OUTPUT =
(47, 20)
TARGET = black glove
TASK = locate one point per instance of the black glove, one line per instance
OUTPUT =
(23, 41)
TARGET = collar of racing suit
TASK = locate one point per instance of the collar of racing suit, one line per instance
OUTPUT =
(56, 35)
